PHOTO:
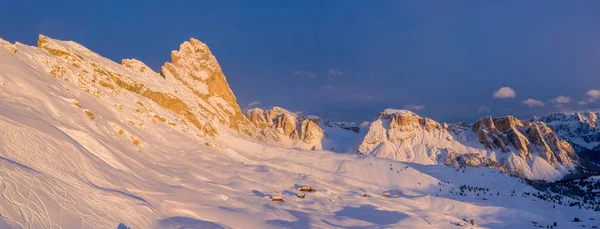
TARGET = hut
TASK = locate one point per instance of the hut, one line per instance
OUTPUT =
(305, 189)
(301, 195)
(387, 194)
(277, 198)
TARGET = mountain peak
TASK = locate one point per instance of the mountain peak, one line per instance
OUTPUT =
(396, 112)
(196, 67)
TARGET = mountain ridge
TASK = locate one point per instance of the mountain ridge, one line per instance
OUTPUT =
(86, 142)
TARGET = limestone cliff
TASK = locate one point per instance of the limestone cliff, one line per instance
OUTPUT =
(525, 148)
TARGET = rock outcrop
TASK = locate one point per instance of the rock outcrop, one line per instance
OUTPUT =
(526, 148)
(529, 138)
(197, 68)
(581, 130)
(192, 86)
(286, 128)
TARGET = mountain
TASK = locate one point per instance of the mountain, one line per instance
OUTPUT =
(287, 129)
(581, 129)
(89, 143)
(527, 149)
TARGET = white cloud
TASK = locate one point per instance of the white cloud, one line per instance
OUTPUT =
(533, 103)
(253, 103)
(334, 72)
(414, 107)
(364, 124)
(484, 108)
(561, 99)
(330, 78)
(504, 92)
(311, 75)
(593, 94)
(582, 103)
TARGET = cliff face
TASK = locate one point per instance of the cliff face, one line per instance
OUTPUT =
(287, 129)
(526, 148)
(193, 86)
(581, 128)
(529, 138)
(197, 69)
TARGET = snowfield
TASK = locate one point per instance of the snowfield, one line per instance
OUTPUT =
(71, 158)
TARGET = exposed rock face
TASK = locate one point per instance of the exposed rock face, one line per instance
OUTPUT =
(196, 67)
(293, 131)
(528, 138)
(192, 86)
(526, 148)
(399, 125)
(8, 46)
(582, 128)
(136, 65)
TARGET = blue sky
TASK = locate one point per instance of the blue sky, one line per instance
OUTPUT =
(348, 60)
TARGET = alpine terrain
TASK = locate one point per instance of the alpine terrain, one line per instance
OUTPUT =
(86, 142)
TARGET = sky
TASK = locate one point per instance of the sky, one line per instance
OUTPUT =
(348, 60)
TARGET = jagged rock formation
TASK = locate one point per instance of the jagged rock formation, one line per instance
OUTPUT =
(196, 68)
(529, 138)
(529, 149)
(581, 129)
(192, 86)
(286, 128)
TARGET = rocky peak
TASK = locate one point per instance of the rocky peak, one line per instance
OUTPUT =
(581, 130)
(406, 120)
(390, 113)
(283, 122)
(506, 142)
(197, 68)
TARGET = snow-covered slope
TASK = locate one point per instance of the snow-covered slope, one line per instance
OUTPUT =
(89, 143)
(526, 149)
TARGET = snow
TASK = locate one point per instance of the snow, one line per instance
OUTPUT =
(61, 169)
(417, 142)
(391, 111)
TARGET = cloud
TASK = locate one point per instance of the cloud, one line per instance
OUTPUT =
(253, 103)
(533, 103)
(414, 107)
(484, 108)
(310, 75)
(504, 92)
(581, 103)
(561, 99)
(593, 94)
(364, 124)
(330, 78)
(334, 72)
